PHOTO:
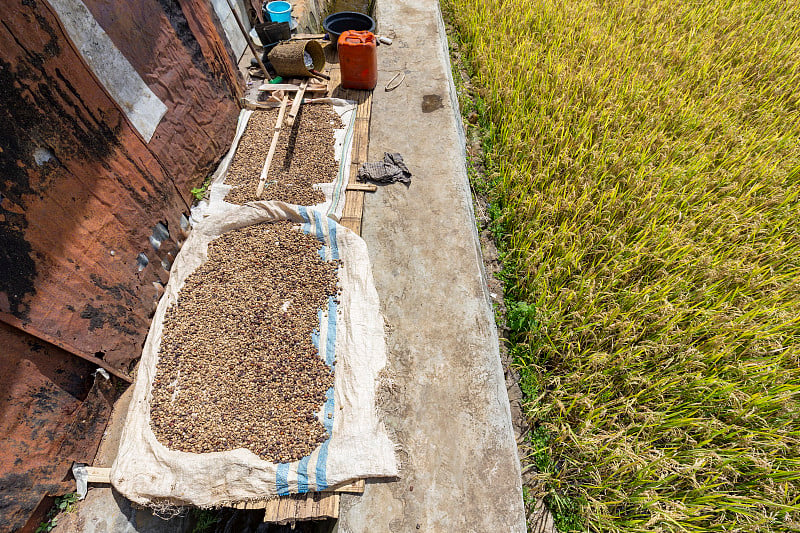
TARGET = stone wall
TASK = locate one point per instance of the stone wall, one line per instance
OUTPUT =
(310, 14)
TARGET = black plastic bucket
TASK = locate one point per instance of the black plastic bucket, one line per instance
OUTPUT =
(271, 33)
(338, 23)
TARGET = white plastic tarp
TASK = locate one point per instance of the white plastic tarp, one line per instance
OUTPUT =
(350, 336)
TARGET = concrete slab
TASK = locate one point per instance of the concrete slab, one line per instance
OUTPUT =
(445, 400)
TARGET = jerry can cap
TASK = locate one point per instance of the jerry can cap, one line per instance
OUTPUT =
(356, 37)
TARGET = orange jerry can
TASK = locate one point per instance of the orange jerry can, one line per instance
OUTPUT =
(358, 59)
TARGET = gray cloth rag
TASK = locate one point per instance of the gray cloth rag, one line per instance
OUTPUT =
(390, 170)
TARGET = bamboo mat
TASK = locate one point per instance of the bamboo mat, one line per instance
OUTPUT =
(300, 507)
(354, 199)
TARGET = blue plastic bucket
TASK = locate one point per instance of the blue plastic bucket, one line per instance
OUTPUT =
(280, 11)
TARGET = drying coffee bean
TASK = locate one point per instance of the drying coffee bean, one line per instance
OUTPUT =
(236, 366)
(304, 156)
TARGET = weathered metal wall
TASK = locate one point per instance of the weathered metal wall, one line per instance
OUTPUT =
(91, 217)
(82, 194)
(52, 414)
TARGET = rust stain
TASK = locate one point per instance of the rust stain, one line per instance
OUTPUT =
(53, 414)
(80, 195)
(80, 191)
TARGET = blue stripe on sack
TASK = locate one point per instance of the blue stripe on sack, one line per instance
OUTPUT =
(281, 483)
(315, 334)
(330, 357)
(322, 458)
(318, 225)
(332, 238)
(322, 465)
(307, 226)
(302, 475)
(320, 234)
(312, 226)
(330, 344)
(327, 411)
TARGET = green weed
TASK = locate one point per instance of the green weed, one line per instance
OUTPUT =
(63, 504)
(205, 519)
(200, 192)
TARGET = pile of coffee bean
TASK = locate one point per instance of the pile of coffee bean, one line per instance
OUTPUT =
(236, 366)
(304, 156)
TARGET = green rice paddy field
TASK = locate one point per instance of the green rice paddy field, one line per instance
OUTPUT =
(643, 166)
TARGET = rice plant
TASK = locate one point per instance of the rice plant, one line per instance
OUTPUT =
(644, 158)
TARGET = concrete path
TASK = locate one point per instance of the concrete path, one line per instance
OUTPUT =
(447, 405)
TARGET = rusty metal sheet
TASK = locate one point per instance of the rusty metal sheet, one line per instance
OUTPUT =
(158, 41)
(91, 215)
(52, 414)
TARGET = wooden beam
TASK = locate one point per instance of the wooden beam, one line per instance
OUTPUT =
(13, 321)
(97, 474)
(307, 36)
(353, 487)
(365, 187)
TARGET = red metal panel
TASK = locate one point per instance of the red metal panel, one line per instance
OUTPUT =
(80, 191)
(82, 197)
(51, 415)
(156, 38)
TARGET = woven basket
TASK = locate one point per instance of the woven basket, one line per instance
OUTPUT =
(287, 58)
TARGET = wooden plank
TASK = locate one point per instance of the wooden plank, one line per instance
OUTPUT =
(271, 510)
(298, 99)
(286, 506)
(354, 199)
(299, 507)
(332, 510)
(354, 487)
(96, 474)
(308, 506)
(307, 36)
(335, 81)
(366, 187)
(262, 180)
(315, 499)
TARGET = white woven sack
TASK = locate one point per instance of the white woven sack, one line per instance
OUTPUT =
(350, 333)
(334, 191)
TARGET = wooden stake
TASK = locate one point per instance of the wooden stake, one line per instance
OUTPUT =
(307, 36)
(366, 187)
(319, 74)
(249, 40)
(298, 99)
(278, 124)
(291, 87)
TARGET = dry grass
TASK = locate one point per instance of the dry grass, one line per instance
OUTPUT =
(644, 159)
